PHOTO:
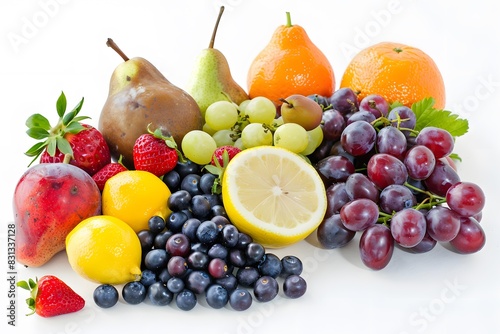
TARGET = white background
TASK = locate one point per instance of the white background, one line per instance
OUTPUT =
(53, 45)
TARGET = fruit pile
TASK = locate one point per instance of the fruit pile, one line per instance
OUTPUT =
(181, 194)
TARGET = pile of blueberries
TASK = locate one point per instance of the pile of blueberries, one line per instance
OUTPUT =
(197, 252)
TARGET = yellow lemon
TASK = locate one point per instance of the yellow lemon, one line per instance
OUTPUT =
(273, 195)
(104, 249)
(135, 196)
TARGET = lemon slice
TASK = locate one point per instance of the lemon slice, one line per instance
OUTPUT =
(273, 195)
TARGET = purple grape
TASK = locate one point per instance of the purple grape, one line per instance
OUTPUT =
(376, 246)
(334, 168)
(419, 162)
(384, 169)
(392, 141)
(358, 138)
(333, 124)
(361, 115)
(395, 198)
(359, 214)
(470, 238)
(406, 120)
(465, 198)
(408, 227)
(344, 100)
(332, 233)
(424, 246)
(443, 224)
(359, 185)
(336, 197)
(441, 179)
(439, 141)
(374, 104)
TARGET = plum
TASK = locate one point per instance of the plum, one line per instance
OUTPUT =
(49, 200)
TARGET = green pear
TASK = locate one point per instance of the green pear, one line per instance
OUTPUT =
(140, 95)
(211, 79)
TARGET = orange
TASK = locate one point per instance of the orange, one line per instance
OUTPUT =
(290, 64)
(396, 71)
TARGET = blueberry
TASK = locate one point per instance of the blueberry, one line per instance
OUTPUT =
(294, 286)
(200, 207)
(186, 167)
(156, 259)
(291, 265)
(207, 232)
(255, 253)
(146, 239)
(207, 182)
(105, 296)
(173, 180)
(216, 296)
(179, 200)
(159, 294)
(177, 266)
(175, 284)
(230, 235)
(218, 268)
(270, 265)
(237, 257)
(148, 277)
(243, 240)
(218, 210)
(218, 251)
(198, 260)
(161, 239)
(247, 276)
(240, 299)
(134, 292)
(265, 289)
(214, 199)
(191, 184)
(178, 245)
(186, 300)
(189, 228)
(164, 275)
(229, 282)
(156, 224)
(220, 221)
(197, 281)
(176, 220)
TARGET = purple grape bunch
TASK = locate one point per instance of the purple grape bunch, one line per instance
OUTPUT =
(393, 184)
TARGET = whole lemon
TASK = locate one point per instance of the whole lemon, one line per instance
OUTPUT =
(135, 196)
(104, 249)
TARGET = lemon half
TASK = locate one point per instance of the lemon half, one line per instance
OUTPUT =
(273, 195)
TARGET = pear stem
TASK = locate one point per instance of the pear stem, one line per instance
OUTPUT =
(288, 19)
(115, 47)
(212, 40)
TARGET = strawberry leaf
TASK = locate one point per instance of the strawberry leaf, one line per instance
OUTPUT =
(74, 127)
(38, 121)
(427, 116)
(35, 150)
(64, 146)
(37, 133)
(51, 146)
(61, 104)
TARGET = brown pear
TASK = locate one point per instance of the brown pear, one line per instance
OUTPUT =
(140, 95)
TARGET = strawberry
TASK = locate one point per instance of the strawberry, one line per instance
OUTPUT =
(69, 140)
(50, 297)
(155, 153)
(221, 157)
(219, 151)
(107, 172)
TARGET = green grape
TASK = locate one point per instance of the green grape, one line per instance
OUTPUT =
(260, 110)
(277, 122)
(208, 129)
(221, 115)
(315, 139)
(198, 146)
(243, 105)
(224, 137)
(291, 136)
(255, 134)
(239, 144)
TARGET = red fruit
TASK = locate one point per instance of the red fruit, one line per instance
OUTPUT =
(50, 297)
(107, 172)
(219, 154)
(82, 143)
(155, 153)
(49, 201)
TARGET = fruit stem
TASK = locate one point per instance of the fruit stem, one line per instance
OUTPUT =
(115, 47)
(67, 158)
(214, 32)
(285, 101)
(288, 19)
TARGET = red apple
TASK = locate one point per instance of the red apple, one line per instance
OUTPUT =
(50, 199)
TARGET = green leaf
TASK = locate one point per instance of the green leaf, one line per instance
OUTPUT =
(74, 128)
(37, 133)
(427, 116)
(78, 107)
(64, 146)
(80, 118)
(23, 285)
(61, 104)
(68, 118)
(38, 121)
(35, 150)
(213, 169)
(51, 146)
